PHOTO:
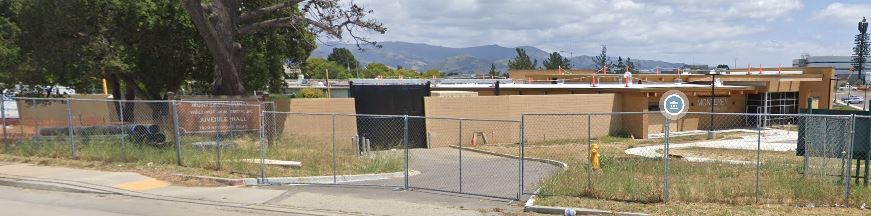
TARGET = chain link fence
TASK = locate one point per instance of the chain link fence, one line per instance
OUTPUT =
(410, 152)
(734, 158)
(331, 149)
(468, 156)
(217, 135)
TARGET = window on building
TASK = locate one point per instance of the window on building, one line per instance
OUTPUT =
(653, 106)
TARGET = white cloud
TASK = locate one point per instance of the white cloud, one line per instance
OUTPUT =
(844, 13)
(626, 25)
(751, 9)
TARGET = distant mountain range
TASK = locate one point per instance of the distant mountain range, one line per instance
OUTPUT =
(468, 60)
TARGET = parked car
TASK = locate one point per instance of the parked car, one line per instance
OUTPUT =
(852, 97)
(855, 100)
(846, 87)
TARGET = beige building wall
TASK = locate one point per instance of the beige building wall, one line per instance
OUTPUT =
(734, 103)
(53, 113)
(538, 128)
(313, 127)
(824, 90)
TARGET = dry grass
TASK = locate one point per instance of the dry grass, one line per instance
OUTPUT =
(681, 208)
(639, 180)
(315, 155)
(734, 154)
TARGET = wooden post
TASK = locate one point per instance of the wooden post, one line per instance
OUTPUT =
(329, 93)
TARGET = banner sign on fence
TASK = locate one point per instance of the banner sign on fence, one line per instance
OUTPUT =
(218, 116)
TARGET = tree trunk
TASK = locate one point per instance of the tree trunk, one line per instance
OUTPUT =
(219, 34)
(218, 23)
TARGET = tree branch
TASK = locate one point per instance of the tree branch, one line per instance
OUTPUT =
(268, 24)
(248, 16)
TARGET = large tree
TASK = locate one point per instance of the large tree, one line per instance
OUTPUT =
(162, 49)
(343, 57)
(493, 71)
(522, 61)
(374, 70)
(223, 23)
(144, 48)
(620, 66)
(432, 73)
(316, 68)
(8, 52)
(67, 43)
(556, 61)
(602, 59)
(860, 51)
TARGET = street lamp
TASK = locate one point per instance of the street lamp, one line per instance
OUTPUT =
(713, 74)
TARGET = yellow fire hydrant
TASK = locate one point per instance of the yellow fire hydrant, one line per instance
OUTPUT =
(594, 156)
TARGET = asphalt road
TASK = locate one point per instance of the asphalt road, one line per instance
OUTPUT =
(25, 202)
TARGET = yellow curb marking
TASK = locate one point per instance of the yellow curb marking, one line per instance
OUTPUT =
(143, 185)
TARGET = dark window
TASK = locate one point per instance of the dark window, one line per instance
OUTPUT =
(653, 107)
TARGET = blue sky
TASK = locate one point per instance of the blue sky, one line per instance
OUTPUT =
(768, 32)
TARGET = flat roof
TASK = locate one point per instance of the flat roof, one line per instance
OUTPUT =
(601, 86)
(731, 76)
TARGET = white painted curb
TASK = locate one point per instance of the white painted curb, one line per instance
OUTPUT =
(329, 179)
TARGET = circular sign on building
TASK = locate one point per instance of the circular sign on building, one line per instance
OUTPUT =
(673, 104)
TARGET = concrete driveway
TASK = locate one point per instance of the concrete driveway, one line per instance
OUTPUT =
(482, 174)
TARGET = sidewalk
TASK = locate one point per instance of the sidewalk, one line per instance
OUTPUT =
(292, 199)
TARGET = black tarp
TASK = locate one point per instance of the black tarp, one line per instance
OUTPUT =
(835, 133)
(387, 132)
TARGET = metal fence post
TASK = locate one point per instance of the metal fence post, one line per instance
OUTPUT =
(758, 157)
(335, 180)
(461, 154)
(806, 156)
(123, 130)
(262, 150)
(270, 136)
(665, 162)
(520, 159)
(405, 146)
(3, 115)
(72, 135)
(867, 158)
(589, 152)
(218, 140)
(177, 131)
(849, 158)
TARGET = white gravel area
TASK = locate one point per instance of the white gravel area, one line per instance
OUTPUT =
(772, 140)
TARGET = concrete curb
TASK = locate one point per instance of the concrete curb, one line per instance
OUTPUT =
(47, 186)
(530, 206)
(578, 211)
(226, 181)
(72, 186)
(329, 179)
(303, 180)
